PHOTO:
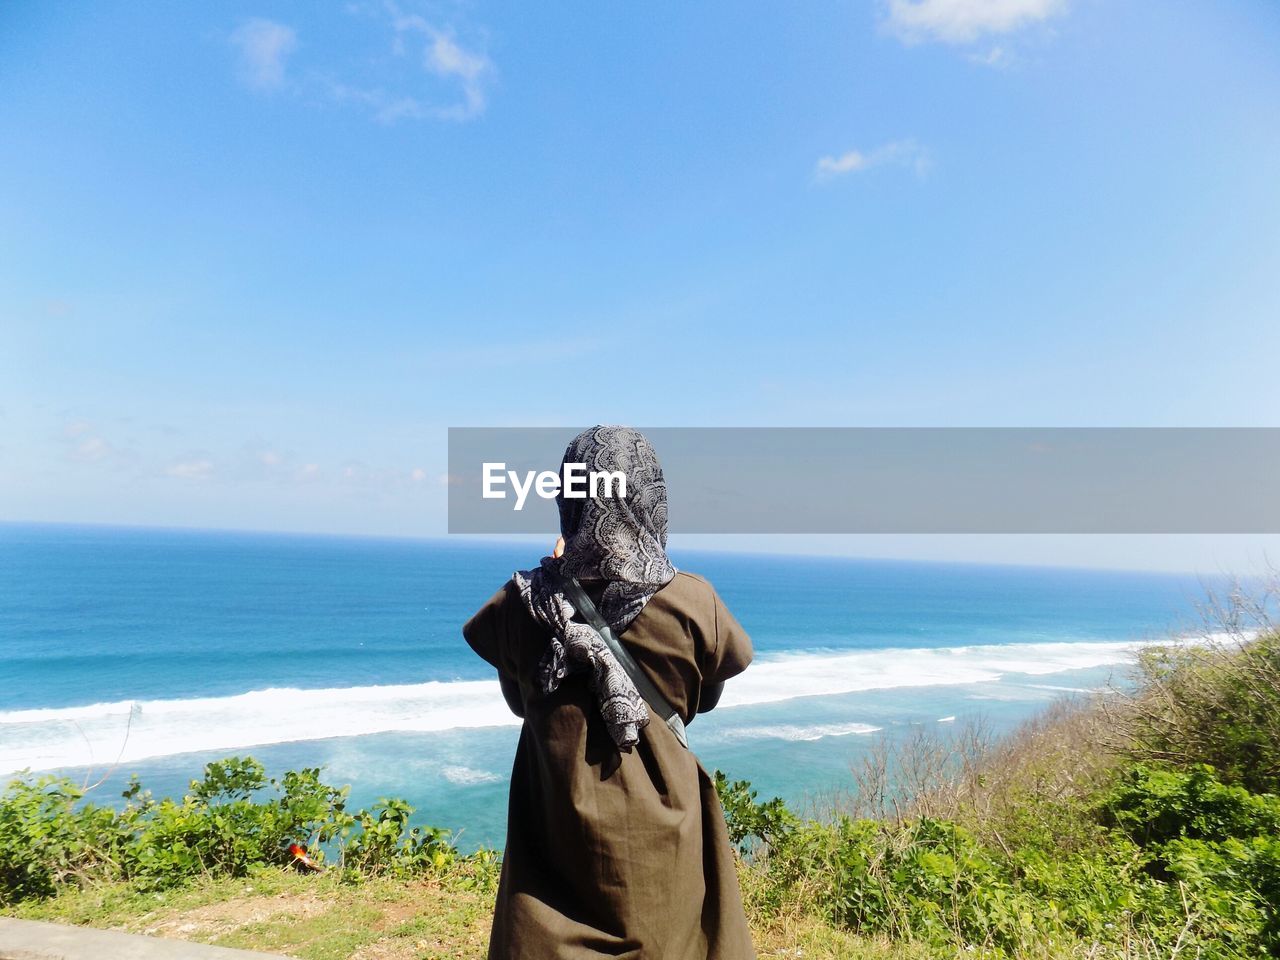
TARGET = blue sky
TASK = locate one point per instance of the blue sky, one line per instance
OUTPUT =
(258, 256)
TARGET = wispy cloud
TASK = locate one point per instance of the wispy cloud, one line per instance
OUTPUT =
(265, 47)
(92, 449)
(965, 21)
(193, 468)
(997, 57)
(84, 444)
(903, 153)
(420, 70)
(443, 56)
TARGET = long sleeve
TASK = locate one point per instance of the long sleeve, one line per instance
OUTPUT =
(489, 633)
(731, 651)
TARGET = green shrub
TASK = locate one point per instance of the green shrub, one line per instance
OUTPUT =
(1154, 805)
(1176, 858)
(1216, 704)
(1218, 844)
(750, 822)
(47, 839)
(384, 843)
(232, 820)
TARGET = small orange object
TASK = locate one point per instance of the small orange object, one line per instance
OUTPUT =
(302, 858)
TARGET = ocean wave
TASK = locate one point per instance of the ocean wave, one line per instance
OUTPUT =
(101, 734)
(788, 676)
(466, 776)
(817, 731)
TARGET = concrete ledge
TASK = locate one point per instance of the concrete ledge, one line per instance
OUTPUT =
(30, 940)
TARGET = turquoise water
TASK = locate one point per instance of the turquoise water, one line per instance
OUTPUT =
(155, 651)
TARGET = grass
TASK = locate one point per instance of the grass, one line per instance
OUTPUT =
(322, 918)
(314, 917)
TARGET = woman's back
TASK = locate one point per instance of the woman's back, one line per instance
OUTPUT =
(615, 852)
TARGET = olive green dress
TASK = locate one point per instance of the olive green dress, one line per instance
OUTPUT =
(610, 853)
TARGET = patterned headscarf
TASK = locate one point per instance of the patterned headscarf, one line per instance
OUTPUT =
(620, 540)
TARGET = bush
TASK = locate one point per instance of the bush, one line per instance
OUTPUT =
(751, 823)
(47, 840)
(1219, 844)
(1154, 805)
(384, 843)
(1217, 703)
(1179, 858)
(233, 819)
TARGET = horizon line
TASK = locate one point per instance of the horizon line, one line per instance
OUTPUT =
(477, 539)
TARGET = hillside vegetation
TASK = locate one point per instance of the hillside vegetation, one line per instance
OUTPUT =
(1135, 825)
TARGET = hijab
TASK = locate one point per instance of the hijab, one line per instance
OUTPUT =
(620, 541)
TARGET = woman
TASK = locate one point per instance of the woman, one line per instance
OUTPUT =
(616, 844)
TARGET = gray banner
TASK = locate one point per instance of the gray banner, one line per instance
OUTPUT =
(900, 480)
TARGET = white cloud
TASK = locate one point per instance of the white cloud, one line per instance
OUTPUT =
(445, 57)
(906, 153)
(428, 73)
(996, 57)
(264, 47)
(389, 111)
(85, 444)
(196, 468)
(964, 21)
(92, 448)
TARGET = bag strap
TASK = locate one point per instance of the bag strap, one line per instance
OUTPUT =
(653, 697)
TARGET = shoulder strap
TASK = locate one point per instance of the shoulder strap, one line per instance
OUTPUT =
(653, 697)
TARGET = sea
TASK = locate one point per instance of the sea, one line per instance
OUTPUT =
(153, 652)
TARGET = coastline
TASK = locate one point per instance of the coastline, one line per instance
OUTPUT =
(130, 731)
(950, 843)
